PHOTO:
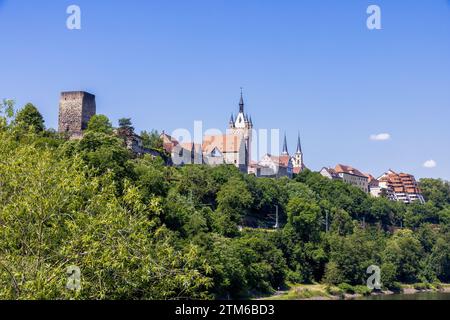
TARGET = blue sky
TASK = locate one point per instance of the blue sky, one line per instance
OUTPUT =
(310, 66)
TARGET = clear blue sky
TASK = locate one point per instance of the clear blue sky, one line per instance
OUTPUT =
(305, 65)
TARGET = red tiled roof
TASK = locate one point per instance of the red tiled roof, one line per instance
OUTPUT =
(281, 161)
(297, 170)
(401, 182)
(284, 161)
(373, 182)
(225, 143)
(168, 142)
(340, 168)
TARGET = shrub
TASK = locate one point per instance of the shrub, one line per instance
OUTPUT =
(294, 277)
(334, 291)
(437, 285)
(363, 290)
(395, 287)
(347, 288)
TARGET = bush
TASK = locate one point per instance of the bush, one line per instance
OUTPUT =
(363, 290)
(395, 287)
(305, 293)
(334, 291)
(294, 277)
(347, 288)
(437, 285)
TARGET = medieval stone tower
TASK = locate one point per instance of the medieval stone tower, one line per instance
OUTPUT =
(76, 108)
(242, 125)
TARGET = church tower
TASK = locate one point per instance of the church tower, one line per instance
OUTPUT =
(297, 159)
(242, 125)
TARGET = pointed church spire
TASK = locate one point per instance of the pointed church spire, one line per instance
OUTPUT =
(232, 119)
(285, 147)
(299, 144)
(241, 103)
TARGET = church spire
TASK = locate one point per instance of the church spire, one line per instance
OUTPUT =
(285, 147)
(241, 103)
(299, 144)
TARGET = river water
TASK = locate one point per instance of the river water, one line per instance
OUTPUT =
(416, 296)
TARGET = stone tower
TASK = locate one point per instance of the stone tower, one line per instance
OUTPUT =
(76, 108)
(242, 125)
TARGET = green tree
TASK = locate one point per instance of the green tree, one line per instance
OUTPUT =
(341, 222)
(405, 252)
(126, 124)
(102, 153)
(55, 215)
(382, 210)
(417, 214)
(152, 176)
(304, 217)
(6, 112)
(436, 190)
(437, 264)
(152, 140)
(350, 256)
(100, 124)
(29, 118)
(233, 201)
(389, 275)
(228, 270)
(265, 265)
(444, 216)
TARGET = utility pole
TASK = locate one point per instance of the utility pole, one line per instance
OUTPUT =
(326, 222)
(277, 224)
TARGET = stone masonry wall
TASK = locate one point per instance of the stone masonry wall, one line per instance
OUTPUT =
(75, 110)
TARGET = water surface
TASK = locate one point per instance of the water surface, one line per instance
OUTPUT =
(415, 296)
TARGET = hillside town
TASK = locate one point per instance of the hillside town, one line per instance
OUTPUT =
(235, 148)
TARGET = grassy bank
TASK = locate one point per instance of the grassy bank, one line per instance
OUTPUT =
(327, 292)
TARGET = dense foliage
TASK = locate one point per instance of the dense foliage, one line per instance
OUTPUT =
(138, 229)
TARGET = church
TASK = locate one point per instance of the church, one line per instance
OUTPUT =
(235, 148)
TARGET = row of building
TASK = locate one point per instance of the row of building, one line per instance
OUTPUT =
(394, 186)
(235, 148)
